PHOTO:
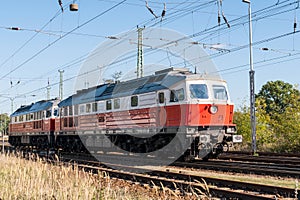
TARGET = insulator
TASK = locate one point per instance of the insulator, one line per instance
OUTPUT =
(164, 11)
(61, 6)
(150, 10)
(295, 24)
(112, 37)
(228, 25)
(15, 28)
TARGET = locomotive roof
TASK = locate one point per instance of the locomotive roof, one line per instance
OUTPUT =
(161, 80)
(34, 107)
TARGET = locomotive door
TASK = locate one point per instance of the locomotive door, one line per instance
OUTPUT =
(161, 109)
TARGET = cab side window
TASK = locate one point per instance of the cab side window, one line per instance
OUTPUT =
(177, 95)
(161, 97)
(134, 101)
(48, 113)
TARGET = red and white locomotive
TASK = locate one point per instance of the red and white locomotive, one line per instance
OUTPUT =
(173, 109)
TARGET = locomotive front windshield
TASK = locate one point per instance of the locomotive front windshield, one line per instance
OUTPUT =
(220, 92)
(199, 91)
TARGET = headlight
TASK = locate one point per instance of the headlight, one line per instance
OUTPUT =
(213, 109)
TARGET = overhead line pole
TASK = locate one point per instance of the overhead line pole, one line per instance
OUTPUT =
(252, 84)
(139, 68)
(61, 84)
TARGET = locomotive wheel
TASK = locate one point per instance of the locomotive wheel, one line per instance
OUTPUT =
(225, 147)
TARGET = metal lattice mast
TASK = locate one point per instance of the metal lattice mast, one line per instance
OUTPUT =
(61, 84)
(252, 85)
(139, 67)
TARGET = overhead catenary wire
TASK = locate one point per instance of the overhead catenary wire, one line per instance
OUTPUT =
(220, 71)
(27, 41)
(70, 32)
(40, 31)
(193, 35)
(56, 33)
(236, 49)
(63, 36)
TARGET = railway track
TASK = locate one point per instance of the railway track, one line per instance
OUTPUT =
(236, 164)
(244, 167)
(286, 159)
(270, 169)
(186, 181)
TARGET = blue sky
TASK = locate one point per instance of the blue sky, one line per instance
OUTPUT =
(31, 56)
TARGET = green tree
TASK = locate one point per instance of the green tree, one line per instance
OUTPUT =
(264, 129)
(4, 123)
(264, 132)
(242, 120)
(277, 96)
(287, 127)
(277, 118)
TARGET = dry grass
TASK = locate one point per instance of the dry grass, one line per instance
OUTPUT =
(25, 179)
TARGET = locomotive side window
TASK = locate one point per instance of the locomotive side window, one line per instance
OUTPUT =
(108, 105)
(76, 110)
(180, 94)
(116, 103)
(48, 113)
(70, 110)
(198, 91)
(65, 111)
(173, 97)
(55, 112)
(94, 107)
(134, 101)
(161, 97)
(177, 95)
(81, 109)
(220, 92)
(88, 108)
